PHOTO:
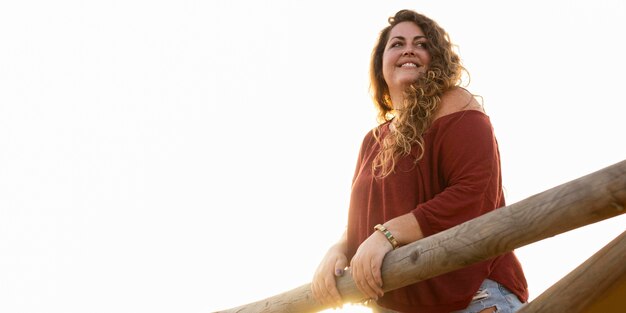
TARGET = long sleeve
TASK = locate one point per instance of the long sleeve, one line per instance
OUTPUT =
(468, 161)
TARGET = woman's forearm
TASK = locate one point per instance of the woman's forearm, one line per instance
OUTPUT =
(342, 244)
(405, 229)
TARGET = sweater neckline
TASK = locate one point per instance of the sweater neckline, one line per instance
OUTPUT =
(453, 114)
(442, 119)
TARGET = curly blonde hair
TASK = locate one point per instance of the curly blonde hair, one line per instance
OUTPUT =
(422, 98)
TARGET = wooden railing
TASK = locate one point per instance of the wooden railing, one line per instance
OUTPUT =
(586, 200)
(597, 285)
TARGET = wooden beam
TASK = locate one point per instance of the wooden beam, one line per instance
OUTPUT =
(580, 202)
(587, 284)
(612, 301)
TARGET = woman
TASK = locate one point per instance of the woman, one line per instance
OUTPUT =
(433, 163)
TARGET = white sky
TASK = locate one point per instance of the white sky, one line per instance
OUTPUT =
(190, 156)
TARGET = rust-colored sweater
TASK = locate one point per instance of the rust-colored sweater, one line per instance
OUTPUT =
(457, 179)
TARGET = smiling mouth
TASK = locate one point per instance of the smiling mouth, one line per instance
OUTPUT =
(410, 65)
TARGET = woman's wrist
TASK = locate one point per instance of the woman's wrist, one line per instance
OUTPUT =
(339, 247)
(388, 235)
(405, 229)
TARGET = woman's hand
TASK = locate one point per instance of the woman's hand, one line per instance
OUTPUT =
(366, 263)
(324, 286)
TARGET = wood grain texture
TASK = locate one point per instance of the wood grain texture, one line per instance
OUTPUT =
(590, 282)
(586, 200)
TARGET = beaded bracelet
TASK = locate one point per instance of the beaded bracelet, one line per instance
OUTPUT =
(387, 233)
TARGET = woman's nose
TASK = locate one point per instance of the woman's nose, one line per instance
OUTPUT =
(408, 52)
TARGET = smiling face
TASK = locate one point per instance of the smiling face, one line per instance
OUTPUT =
(405, 57)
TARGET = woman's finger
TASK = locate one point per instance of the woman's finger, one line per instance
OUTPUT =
(370, 282)
(363, 280)
(333, 296)
(377, 280)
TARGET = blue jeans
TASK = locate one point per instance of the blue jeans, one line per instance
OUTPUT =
(492, 294)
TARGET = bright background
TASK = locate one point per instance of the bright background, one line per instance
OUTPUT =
(190, 156)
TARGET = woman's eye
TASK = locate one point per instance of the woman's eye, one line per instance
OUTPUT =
(396, 44)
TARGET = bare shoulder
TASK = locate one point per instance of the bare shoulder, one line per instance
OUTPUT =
(455, 100)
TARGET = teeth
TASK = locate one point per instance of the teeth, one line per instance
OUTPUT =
(409, 65)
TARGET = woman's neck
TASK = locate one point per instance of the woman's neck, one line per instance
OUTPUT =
(397, 100)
